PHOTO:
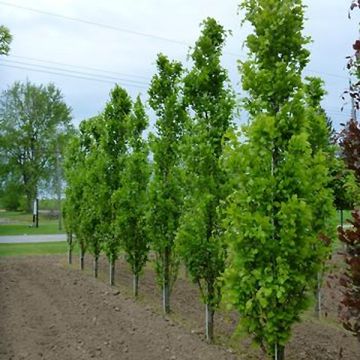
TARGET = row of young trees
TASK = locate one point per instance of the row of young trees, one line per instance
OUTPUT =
(118, 199)
(248, 212)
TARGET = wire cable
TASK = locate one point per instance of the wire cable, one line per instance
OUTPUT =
(73, 76)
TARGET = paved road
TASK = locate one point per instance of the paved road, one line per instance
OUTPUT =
(10, 239)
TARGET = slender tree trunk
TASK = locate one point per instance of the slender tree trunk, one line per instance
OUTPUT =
(70, 248)
(166, 282)
(82, 255)
(136, 285)
(209, 313)
(112, 272)
(318, 296)
(279, 352)
(342, 219)
(96, 265)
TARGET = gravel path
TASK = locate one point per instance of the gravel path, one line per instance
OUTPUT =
(11, 239)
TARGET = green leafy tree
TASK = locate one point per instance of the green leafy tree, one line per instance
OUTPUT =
(113, 147)
(94, 190)
(131, 199)
(74, 194)
(322, 140)
(272, 229)
(31, 120)
(5, 40)
(210, 100)
(165, 188)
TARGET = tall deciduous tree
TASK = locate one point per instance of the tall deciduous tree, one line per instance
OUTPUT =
(350, 280)
(75, 176)
(131, 199)
(322, 141)
(210, 100)
(31, 119)
(165, 187)
(274, 250)
(94, 192)
(113, 146)
(350, 146)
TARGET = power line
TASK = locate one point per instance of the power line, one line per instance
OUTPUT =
(106, 77)
(71, 75)
(78, 66)
(93, 23)
(132, 32)
(327, 74)
(135, 75)
(105, 26)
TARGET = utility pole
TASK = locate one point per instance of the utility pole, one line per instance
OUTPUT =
(36, 213)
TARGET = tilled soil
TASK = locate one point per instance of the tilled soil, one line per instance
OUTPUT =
(49, 310)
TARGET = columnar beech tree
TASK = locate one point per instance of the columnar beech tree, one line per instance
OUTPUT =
(74, 176)
(94, 190)
(321, 140)
(274, 250)
(165, 187)
(130, 200)
(113, 146)
(210, 100)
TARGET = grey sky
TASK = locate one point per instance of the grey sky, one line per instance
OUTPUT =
(58, 40)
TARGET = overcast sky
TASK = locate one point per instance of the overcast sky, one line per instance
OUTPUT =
(124, 49)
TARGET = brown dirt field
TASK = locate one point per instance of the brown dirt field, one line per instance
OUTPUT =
(49, 310)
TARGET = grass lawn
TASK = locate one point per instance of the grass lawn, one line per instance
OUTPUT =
(45, 248)
(19, 223)
(14, 229)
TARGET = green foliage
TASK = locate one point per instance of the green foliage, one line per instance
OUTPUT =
(281, 174)
(74, 176)
(113, 145)
(165, 190)
(209, 98)
(93, 186)
(31, 120)
(11, 196)
(130, 200)
(5, 40)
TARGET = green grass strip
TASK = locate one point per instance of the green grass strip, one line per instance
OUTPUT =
(45, 248)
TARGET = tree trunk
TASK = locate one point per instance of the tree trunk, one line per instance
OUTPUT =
(279, 352)
(209, 313)
(136, 284)
(209, 323)
(318, 296)
(166, 282)
(82, 254)
(69, 248)
(112, 272)
(342, 219)
(96, 265)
